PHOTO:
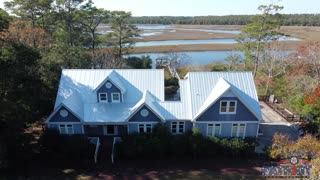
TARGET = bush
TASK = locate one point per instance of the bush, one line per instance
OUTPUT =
(143, 62)
(161, 143)
(66, 146)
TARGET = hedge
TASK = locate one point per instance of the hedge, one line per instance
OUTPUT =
(161, 143)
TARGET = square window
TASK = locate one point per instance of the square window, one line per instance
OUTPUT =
(173, 127)
(210, 130)
(217, 128)
(66, 129)
(115, 97)
(232, 106)
(103, 97)
(223, 106)
(148, 128)
(234, 130)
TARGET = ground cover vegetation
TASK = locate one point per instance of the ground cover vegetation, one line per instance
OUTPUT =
(161, 144)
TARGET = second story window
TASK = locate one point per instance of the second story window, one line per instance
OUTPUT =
(115, 97)
(228, 107)
(103, 97)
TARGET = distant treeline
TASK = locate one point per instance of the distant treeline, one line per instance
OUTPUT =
(288, 20)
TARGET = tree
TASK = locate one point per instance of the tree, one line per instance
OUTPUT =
(307, 147)
(67, 30)
(58, 58)
(123, 32)
(31, 10)
(262, 30)
(4, 20)
(234, 60)
(274, 63)
(90, 18)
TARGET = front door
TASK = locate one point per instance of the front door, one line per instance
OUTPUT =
(110, 130)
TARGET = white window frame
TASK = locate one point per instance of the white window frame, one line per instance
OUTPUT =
(103, 100)
(145, 127)
(65, 126)
(115, 101)
(238, 130)
(177, 129)
(228, 107)
(213, 131)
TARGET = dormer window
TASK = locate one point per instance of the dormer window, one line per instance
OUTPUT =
(228, 107)
(115, 97)
(103, 97)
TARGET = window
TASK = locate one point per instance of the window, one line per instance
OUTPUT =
(145, 128)
(238, 130)
(228, 107)
(213, 129)
(103, 97)
(177, 127)
(234, 130)
(115, 97)
(66, 128)
(241, 130)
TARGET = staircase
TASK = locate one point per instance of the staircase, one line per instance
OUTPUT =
(105, 149)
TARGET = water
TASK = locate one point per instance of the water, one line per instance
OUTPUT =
(195, 57)
(200, 57)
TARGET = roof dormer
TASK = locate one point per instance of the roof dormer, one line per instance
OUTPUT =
(111, 89)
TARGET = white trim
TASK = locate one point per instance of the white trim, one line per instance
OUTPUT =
(177, 127)
(214, 129)
(64, 123)
(103, 101)
(57, 110)
(144, 127)
(66, 128)
(141, 122)
(115, 101)
(228, 107)
(238, 130)
(222, 122)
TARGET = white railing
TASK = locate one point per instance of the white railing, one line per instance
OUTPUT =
(115, 141)
(96, 141)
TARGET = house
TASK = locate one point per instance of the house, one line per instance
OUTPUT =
(118, 102)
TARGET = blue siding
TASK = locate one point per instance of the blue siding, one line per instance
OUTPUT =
(226, 129)
(132, 128)
(58, 118)
(242, 113)
(113, 89)
(77, 128)
(202, 128)
(122, 130)
(93, 130)
(251, 129)
(150, 118)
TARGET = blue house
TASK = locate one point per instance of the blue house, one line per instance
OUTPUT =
(118, 102)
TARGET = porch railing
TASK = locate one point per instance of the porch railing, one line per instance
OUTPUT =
(115, 141)
(96, 141)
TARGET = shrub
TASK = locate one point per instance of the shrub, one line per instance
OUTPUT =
(161, 143)
(66, 146)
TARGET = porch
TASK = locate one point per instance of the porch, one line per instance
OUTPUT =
(105, 130)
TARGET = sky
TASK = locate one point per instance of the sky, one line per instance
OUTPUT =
(202, 7)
